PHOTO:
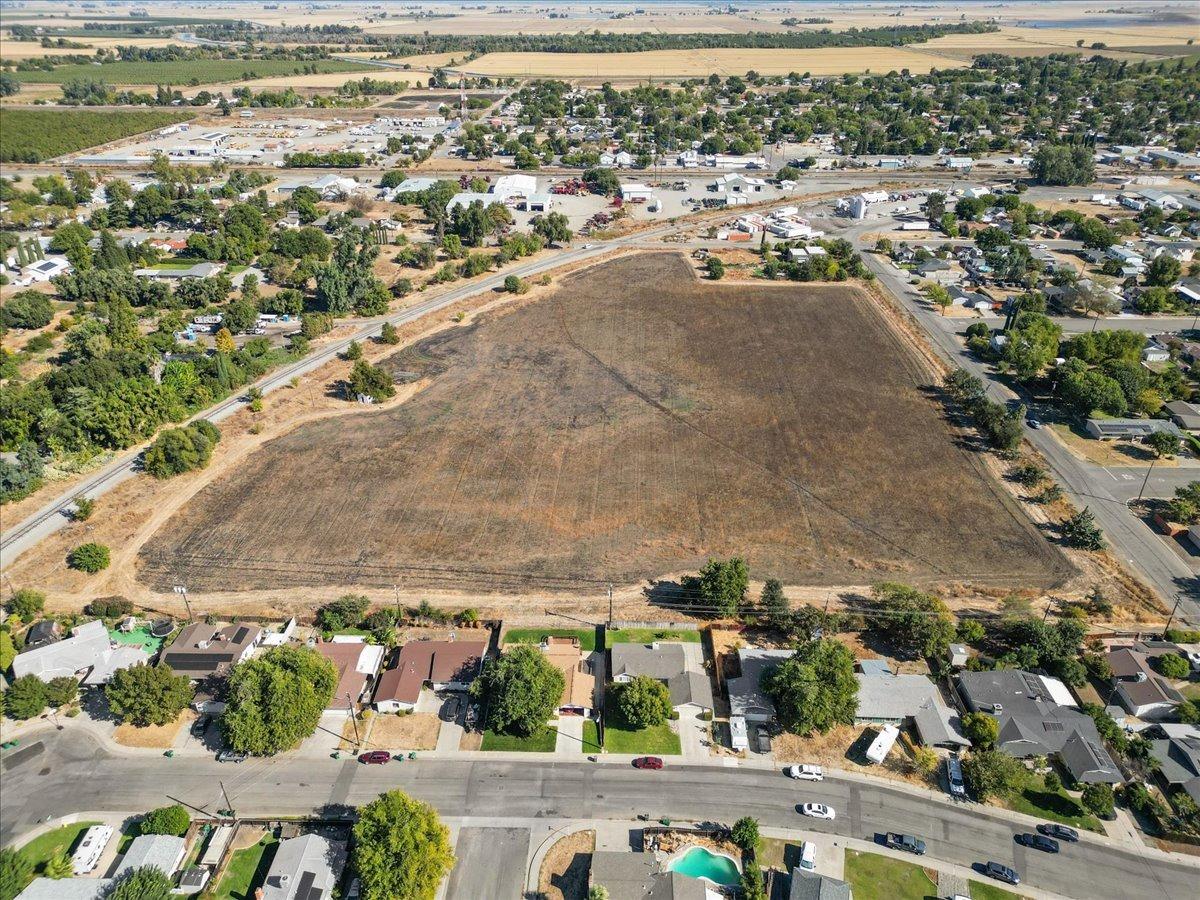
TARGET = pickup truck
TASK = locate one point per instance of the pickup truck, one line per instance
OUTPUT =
(905, 842)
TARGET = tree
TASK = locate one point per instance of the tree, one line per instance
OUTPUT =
(173, 820)
(146, 883)
(59, 866)
(1189, 712)
(255, 720)
(643, 702)
(346, 611)
(552, 227)
(179, 450)
(1081, 531)
(224, 341)
(992, 773)
(916, 623)
(1172, 666)
(597, 892)
(26, 604)
(26, 309)
(354, 350)
(745, 833)
(25, 698)
(1098, 800)
(1063, 164)
(401, 849)
(715, 268)
(981, 729)
(371, 381)
(719, 589)
(16, 871)
(148, 695)
(1163, 443)
(815, 689)
(775, 606)
(388, 334)
(937, 295)
(1032, 344)
(1094, 234)
(84, 507)
(602, 181)
(1163, 271)
(522, 689)
(752, 882)
(515, 285)
(62, 691)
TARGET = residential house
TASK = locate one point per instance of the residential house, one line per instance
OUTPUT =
(1037, 716)
(807, 885)
(202, 650)
(1176, 749)
(1153, 353)
(42, 270)
(199, 270)
(304, 868)
(1140, 690)
(579, 684)
(637, 876)
(66, 889)
(444, 665)
(1129, 429)
(1185, 415)
(47, 631)
(357, 664)
(674, 664)
(89, 652)
(635, 193)
(747, 700)
(939, 271)
(887, 699)
(163, 851)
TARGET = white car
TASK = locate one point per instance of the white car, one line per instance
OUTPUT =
(818, 811)
(805, 773)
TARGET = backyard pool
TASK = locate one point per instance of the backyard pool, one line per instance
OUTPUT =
(701, 863)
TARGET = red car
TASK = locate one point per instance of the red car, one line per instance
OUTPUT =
(375, 757)
(647, 762)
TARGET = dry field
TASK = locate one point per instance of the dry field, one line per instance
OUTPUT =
(17, 50)
(632, 424)
(157, 736)
(416, 731)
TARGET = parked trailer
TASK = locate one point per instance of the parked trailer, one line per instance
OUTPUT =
(883, 743)
(90, 849)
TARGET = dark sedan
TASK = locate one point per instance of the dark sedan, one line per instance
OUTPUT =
(1062, 832)
(1038, 842)
(1001, 873)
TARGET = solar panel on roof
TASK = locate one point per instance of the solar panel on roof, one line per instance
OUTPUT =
(306, 890)
(240, 635)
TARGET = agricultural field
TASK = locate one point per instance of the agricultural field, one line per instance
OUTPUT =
(33, 135)
(190, 71)
(634, 423)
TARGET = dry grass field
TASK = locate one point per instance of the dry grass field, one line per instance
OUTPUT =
(632, 424)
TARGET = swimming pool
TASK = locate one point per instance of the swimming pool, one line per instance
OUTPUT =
(699, 862)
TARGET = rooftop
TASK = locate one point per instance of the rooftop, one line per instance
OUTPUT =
(201, 649)
(162, 851)
(668, 663)
(356, 664)
(305, 868)
(745, 695)
(434, 661)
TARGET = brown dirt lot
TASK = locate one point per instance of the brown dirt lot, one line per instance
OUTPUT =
(416, 731)
(566, 866)
(153, 735)
(634, 423)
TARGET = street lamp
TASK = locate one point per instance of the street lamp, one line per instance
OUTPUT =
(181, 589)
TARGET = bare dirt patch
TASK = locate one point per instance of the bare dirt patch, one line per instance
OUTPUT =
(634, 423)
(833, 750)
(416, 731)
(157, 736)
(566, 867)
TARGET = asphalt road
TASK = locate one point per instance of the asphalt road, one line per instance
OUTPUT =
(1087, 484)
(79, 776)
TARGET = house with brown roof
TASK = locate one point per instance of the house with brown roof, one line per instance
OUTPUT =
(202, 650)
(444, 665)
(1140, 690)
(357, 664)
(579, 684)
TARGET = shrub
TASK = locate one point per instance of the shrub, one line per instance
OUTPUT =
(26, 604)
(110, 608)
(90, 558)
(173, 820)
(179, 450)
(1098, 800)
(1173, 666)
(25, 698)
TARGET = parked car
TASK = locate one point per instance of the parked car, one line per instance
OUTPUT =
(818, 811)
(374, 757)
(1037, 842)
(1033, 423)
(200, 726)
(805, 773)
(808, 855)
(450, 709)
(1001, 873)
(905, 842)
(954, 777)
(1062, 832)
(647, 762)
(231, 756)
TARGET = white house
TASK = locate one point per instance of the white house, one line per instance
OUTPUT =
(42, 270)
(636, 192)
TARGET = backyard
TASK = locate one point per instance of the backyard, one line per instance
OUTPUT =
(586, 636)
(875, 877)
(650, 635)
(247, 869)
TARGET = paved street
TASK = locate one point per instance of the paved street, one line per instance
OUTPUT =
(76, 775)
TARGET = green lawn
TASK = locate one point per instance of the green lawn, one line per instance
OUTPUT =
(542, 742)
(42, 848)
(1191, 690)
(875, 877)
(1059, 806)
(659, 740)
(139, 637)
(247, 870)
(775, 853)
(172, 264)
(982, 891)
(649, 636)
(587, 636)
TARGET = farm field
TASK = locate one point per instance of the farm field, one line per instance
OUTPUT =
(203, 71)
(632, 424)
(18, 50)
(33, 135)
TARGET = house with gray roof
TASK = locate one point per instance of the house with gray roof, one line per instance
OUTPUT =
(305, 868)
(1185, 415)
(887, 699)
(201, 650)
(162, 851)
(639, 876)
(1175, 748)
(812, 886)
(746, 696)
(89, 650)
(669, 662)
(1140, 690)
(1129, 429)
(1038, 717)
(66, 889)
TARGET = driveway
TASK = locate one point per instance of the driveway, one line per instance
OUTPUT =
(569, 743)
(693, 732)
(491, 863)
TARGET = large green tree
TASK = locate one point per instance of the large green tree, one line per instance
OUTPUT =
(643, 702)
(914, 622)
(146, 883)
(16, 871)
(401, 849)
(25, 698)
(522, 689)
(992, 773)
(148, 695)
(173, 820)
(815, 689)
(276, 700)
(719, 589)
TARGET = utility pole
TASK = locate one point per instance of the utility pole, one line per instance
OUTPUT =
(353, 718)
(1145, 481)
(181, 589)
(228, 802)
(610, 605)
